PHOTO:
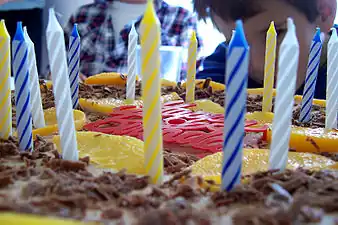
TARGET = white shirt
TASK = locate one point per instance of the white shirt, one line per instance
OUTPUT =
(123, 14)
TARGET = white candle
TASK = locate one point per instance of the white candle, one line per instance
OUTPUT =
(36, 104)
(61, 87)
(131, 78)
(286, 86)
(332, 83)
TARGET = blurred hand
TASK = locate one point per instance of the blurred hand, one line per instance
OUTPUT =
(82, 77)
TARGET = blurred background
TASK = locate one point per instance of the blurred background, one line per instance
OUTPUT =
(66, 7)
(211, 37)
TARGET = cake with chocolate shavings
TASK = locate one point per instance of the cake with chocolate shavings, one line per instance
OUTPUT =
(42, 183)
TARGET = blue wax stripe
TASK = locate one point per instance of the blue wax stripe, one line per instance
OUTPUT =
(75, 65)
(22, 88)
(314, 80)
(234, 71)
(74, 53)
(71, 45)
(75, 104)
(21, 65)
(315, 56)
(234, 126)
(29, 142)
(309, 100)
(17, 49)
(232, 184)
(308, 110)
(232, 157)
(25, 130)
(313, 45)
(75, 91)
(312, 71)
(74, 79)
(22, 112)
(232, 101)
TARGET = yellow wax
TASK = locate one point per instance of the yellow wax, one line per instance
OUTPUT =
(151, 91)
(191, 73)
(269, 70)
(5, 86)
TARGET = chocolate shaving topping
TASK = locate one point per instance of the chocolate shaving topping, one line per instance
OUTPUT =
(111, 213)
(175, 163)
(67, 189)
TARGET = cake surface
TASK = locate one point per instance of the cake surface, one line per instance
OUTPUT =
(42, 183)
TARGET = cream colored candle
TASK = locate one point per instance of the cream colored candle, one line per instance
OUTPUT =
(151, 91)
(191, 73)
(5, 86)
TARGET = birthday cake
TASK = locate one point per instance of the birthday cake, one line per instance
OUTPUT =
(43, 184)
(105, 173)
(205, 89)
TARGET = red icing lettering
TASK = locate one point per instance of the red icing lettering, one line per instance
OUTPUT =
(198, 130)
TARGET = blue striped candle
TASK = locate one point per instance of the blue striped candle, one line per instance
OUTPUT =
(235, 108)
(311, 78)
(22, 93)
(74, 65)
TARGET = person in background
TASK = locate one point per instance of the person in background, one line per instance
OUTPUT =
(256, 15)
(30, 13)
(104, 27)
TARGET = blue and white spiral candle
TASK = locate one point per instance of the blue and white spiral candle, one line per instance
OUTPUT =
(311, 78)
(74, 65)
(22, 92)
(237, 67)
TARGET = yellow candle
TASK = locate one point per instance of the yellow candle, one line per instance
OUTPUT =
(151, 91)
(191, 73)
(269, 70)
(5, 85)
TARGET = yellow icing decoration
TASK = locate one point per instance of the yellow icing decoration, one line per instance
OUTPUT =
(255, 160)
(118, 79)
(110, 151)
(209, 106)
(261, 117)
(107, 79)
(106, 106)
(51, 122)
(22, 219)
(312, 140)
(200, 82)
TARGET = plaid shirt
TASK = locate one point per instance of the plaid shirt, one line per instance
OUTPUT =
(100, 52)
